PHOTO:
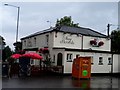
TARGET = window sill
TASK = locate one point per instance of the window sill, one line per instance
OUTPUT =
(109, 64)
(100, 64)
(69, 61)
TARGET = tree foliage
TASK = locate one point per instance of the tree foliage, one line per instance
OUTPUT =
(66, 20)
(7, 52)
(18, 46)
(115, 41)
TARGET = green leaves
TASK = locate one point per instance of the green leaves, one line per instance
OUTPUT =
(115, 41)
(66, 20)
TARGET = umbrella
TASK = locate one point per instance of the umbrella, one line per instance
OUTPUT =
(16, 56)
(32, 55)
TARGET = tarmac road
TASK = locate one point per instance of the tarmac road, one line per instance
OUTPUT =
(61, 82)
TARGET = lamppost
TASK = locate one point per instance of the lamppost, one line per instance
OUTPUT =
(18, 8)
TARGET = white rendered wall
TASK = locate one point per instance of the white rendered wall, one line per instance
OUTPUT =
(95, 68)
(40, 41)
(55, 52)
(105, 47)
(115, 63)
(61, 41)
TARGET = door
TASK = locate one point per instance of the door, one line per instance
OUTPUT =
(59, 59)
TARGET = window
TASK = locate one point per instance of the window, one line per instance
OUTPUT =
(109, 61)
(47, 39)
(53, 58)
(29, 43)
(77, 55)
(25, 43)
(35, 41)
(92, 61)
(31, 61)
(69, 57)
(100, 60)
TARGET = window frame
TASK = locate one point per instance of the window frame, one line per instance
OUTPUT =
(69, 57)
(35, 41)
(53, 59)
(47, 39)
(100, 61)
(92, 61)
(110, 61)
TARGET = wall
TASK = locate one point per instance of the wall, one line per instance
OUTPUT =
(95, 68)
(55, 52)
(119, 63)
(116, 63)
(61, 41)
(105, 47)
(40, 41)
(67, 40)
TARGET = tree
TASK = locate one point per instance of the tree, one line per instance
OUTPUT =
(66, 20)
(18, 47)
(115, 41)
(6, 53)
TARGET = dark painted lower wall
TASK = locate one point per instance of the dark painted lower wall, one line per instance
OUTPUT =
(98, 74)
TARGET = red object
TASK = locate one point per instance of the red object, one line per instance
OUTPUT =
(93, 42)
(41, 50)
(16, 56)
(35, 70)
(44, 50)
(100, 43)
(81, 67)
(32, 55)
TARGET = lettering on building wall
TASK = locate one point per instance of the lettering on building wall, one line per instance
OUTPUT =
(67, 40)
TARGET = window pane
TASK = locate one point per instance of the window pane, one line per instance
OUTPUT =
(92, 60)
(109, 61)
(100, 60)
(53, 58)
(69, 57)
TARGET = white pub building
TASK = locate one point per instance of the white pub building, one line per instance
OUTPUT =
(65, 43)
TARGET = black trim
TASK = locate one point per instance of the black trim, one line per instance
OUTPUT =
(97, 74)
(32, 35)
(83, 50)
(58, 29)
(31, 49)
(69, 61)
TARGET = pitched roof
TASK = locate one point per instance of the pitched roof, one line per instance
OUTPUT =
(82, 31)
(68, 29)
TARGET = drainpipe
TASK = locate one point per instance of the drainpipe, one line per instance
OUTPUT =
(82, 43)
(112, 63)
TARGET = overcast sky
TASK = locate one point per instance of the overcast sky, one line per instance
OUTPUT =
(34, 16)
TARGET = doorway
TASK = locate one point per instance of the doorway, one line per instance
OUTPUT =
(59, 59)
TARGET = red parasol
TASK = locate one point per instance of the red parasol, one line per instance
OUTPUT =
(15, 56)
(32, 55)
(46, 49)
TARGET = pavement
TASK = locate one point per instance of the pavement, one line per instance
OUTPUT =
(58, 81)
